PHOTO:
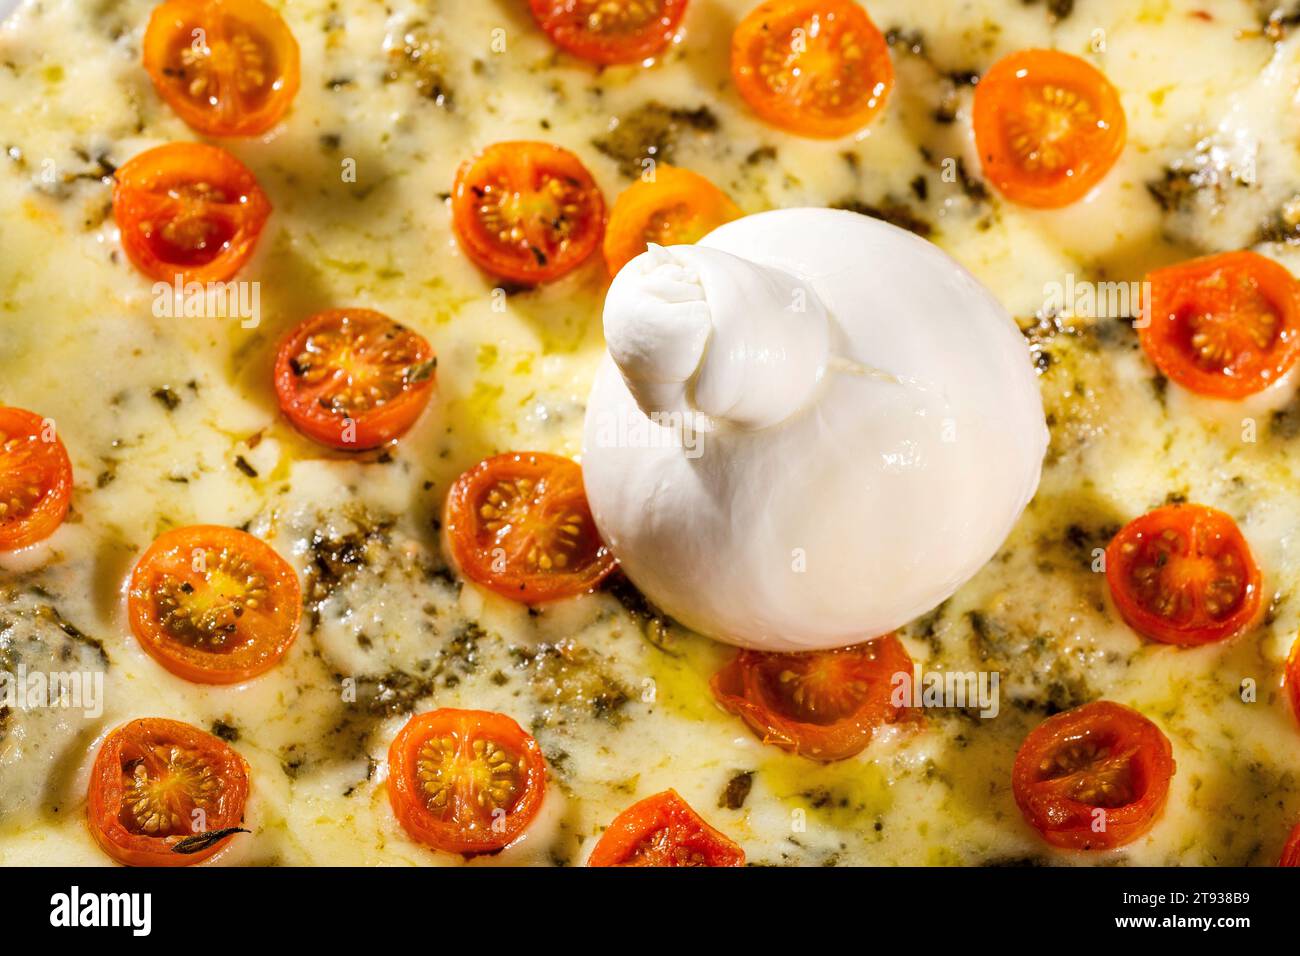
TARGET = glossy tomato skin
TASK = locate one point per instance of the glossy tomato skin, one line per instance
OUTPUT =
(527, 212)
(111, 803)
(1291, 852)
(189, 211)
(239, 53)
(664, 831)
(847, 696)
(1110, 759)
(35, 479)
(832, 82)
(244, 635)
(433, 764)
(548, 511)
(1242, 309)
(640, 29)
(1020, 106)
(676, 207)
(1186, 550)
(375, 378)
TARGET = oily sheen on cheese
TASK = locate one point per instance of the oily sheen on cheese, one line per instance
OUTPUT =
(157, 413)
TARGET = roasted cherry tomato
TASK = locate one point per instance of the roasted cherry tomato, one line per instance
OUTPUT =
(162, 793)
(610, 31)
(812, 67)
(227, 67)
(188, 210)
(1291, 853)
(527, 212)
(465, 781)
(519, 525)
(824, 705)
(677, 207)
(353, 379)
(1093, 778)
(35, 479)
(1225, 326)
(214, 605)
(1048, 127)
(663, 830)
(1183, 574)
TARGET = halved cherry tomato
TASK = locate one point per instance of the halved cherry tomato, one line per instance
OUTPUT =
(188, 210)
(35, 479)
(1291, 853)
(1048, 127)
(813, 67)
(677, 207)
(1093, 778)
(824, 705)
(214, 605)
(528, 212)
(465, 781)
(162, 791)
(353, 379)
(1226, 326)
(519, 525)
(610, 31)
(227, 67)
(663, 830)
(1183, 574)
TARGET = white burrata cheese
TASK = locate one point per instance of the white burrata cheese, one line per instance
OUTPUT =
(811, 427)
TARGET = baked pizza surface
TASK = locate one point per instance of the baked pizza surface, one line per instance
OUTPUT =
(172, 421)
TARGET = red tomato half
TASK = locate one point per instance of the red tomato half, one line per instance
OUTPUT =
(1291, 853)
(813, 67)
(1048, 126)
(663, 830)
(227, 67)
(214, 605)
(824, 705)
(519, 524)
(610, 31)
(188, 210)
(1183, 574)
(162, 791)
(1226, 326)
(35, 479)
(1093, 778)
(527, 212)
(465, 781)
(353, 379)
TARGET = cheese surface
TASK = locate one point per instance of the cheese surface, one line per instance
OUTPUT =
(172, 420)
